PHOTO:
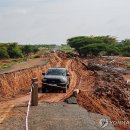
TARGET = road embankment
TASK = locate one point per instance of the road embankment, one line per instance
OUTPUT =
(18, 82)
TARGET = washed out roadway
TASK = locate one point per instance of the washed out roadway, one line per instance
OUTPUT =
(57, 115)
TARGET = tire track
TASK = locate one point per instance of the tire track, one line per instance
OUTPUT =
(56, 97)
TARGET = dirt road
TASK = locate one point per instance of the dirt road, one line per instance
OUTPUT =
(87, 81)
(24, 65)
(70, 64)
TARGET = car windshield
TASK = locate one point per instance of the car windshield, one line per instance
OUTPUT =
(56, 72)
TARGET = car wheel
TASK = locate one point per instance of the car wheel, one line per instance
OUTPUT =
(44, 89)
(65, 90)
(68, 86)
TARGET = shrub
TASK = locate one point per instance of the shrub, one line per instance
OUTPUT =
(3, 53)
(14, 51)
(26, 49)
(112, 50)
(93, 49)
(126, 50)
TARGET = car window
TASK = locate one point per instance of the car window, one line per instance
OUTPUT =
(56, 72)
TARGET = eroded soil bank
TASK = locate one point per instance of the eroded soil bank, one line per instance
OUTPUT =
(18, 82)
(107, 93)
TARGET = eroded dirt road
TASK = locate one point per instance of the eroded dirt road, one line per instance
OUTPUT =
(70, 64)
(87, 81)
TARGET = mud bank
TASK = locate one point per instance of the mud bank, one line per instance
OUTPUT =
(19, 82)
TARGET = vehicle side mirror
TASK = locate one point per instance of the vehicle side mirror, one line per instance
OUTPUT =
(43, 73)
(68, 74)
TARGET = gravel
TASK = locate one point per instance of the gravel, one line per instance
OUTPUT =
(54, 116)
(63, 116)
(15, 120)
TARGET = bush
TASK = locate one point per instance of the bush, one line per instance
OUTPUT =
(3, 53)
(126, 54)
(93, 49)
(66, 48)
(81, 41)
(26, 49)
(112, 50)
(34, 50)
(126, 50)
(14, 51)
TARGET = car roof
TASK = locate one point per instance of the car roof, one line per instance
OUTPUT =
(60, 68)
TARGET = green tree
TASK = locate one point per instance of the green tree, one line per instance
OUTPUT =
(108, 39)
(126, 50)
(14, 50)
(27, 49)
(125, 42)
(93, 49)
(3, 53)
(113, 49)
(78, 42)
(35, 49)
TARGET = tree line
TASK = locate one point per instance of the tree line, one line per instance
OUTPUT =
(15, 50)
(99, 45)
(84, 45)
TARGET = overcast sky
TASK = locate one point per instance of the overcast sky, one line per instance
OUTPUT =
(54, 21)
